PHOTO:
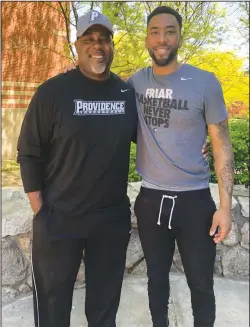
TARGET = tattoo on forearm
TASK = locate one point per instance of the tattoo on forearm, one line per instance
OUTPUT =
(227, 172)
(227, 177)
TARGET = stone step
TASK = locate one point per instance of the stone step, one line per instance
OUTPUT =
(232, 301)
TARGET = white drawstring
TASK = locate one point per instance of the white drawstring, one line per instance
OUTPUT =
(171, 213)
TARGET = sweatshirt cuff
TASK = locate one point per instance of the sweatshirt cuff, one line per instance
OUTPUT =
(31, 174)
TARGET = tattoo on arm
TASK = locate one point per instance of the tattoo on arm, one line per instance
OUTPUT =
(227, 178)
(226, 173)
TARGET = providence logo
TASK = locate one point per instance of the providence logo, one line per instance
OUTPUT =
(83, 108)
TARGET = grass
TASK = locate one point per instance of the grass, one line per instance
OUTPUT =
(10, 174)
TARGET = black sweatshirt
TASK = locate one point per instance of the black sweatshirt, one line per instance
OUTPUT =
(74, 145)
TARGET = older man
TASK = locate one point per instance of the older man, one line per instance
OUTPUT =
(73, 151)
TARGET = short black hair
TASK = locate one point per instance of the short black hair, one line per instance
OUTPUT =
(165, 10)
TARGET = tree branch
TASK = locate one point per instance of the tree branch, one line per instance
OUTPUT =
(121, 38)
(23, 46)
(64, 12)
(74, 11)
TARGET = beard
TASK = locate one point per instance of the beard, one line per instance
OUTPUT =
(98, 68)
(164, 61)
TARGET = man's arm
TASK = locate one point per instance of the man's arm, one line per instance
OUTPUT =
(130, 82)
(134, 137)
(36, 201)
(32, 144)
(224, 168)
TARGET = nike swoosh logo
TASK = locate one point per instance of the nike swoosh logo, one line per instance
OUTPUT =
(184, 79)
(124, 90)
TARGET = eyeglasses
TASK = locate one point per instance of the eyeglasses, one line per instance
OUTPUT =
(91, 41)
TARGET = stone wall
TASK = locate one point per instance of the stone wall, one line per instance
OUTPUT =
(232, 258)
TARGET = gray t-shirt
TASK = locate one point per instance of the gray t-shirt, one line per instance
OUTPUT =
(174, 111)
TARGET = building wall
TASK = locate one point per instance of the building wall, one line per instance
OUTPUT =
(33, 50)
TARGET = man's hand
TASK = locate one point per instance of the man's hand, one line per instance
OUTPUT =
(222, 222)
(205, 149)
(36, 201)
(36, 209)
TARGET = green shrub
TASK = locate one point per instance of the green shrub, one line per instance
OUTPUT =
(239, 132)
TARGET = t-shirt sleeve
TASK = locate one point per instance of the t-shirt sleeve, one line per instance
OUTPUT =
(214, 103)
(33, 140)
(130, 82)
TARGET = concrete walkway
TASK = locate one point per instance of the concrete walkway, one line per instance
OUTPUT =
(232, 305)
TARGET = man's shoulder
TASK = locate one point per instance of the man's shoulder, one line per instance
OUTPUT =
(141, 75)
(56, 81)
(142, 72)
(122, 83)
(196, 71)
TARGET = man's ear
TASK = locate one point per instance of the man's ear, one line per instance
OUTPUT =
(181, 42)
(76, 45)
(146, 42)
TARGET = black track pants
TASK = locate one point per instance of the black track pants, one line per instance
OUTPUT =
(189, 225)
(56, 264)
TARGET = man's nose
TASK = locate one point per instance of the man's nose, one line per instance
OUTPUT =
(97, 44)
(162, 38)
